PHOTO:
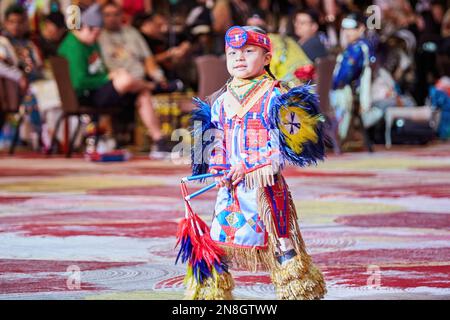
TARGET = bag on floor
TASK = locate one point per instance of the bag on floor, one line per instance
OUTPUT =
(406, 131)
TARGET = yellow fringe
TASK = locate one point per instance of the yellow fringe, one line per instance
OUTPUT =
(260, 178)
(298, 278)
(251, 259)
(218, 287)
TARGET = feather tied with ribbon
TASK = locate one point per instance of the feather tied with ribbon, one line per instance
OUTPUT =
(204, 258)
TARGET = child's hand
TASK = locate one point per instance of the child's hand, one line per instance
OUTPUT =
(221, 182)
(236, 174)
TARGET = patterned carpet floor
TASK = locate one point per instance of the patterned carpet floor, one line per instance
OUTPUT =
(378, 225)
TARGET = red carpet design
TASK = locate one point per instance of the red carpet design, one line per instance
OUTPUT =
(378, 225)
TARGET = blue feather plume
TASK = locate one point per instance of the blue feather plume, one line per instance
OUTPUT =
(202, 112)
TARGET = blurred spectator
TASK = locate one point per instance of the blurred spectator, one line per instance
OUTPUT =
(52, 33)
(428, 41)
(154, 27)
(287, 56)
(26, 57)
(124, 47)
(397, 14)
(386, 93)
(352, 74)
(96, 87)
(227, 13)
(327, 13)
(84, 4)
(440, 99)
(200, 14)
(202, 41)
(9, 64)
(4, 5)
(307, 30)
(431, 18)
(440, 91)
(271, 12)
(443, 59)
(133, 7)
(199, 22)
(396, 56)
(356, 56)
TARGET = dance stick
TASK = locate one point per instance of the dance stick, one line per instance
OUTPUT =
(202, 176)
(201, 191)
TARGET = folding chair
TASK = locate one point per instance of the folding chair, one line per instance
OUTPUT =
(70, 104)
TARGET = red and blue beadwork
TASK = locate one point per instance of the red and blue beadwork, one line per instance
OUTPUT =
(237, 37)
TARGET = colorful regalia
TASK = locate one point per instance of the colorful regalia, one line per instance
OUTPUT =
(287, 58)
(352, 69)
(261, 125)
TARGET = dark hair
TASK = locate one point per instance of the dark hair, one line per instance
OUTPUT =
(140, 18)
(314, 15)
(254, 29)
(57, 18)
(111, 3)
(257, 13)
(15, 9)
(260, 30)
(438, 3)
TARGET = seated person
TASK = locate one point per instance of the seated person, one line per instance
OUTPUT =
(287, 56)
(27, 54)
(122, 46)
(154, 28)
(9, 63)
(386, 93)
(306, 25)
(20, 54)
(52, 33)
(96, 87)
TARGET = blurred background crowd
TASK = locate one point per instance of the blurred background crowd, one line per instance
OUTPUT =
(387, 66)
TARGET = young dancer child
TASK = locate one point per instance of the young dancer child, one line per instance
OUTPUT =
(258, 126)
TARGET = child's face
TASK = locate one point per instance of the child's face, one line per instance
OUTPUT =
(247, 62)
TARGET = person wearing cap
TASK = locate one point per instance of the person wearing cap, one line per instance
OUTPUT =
(306, 24)
(258, 124)
(96, 86)
(352, 73)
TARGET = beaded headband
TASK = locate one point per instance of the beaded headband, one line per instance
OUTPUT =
(237, 37)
